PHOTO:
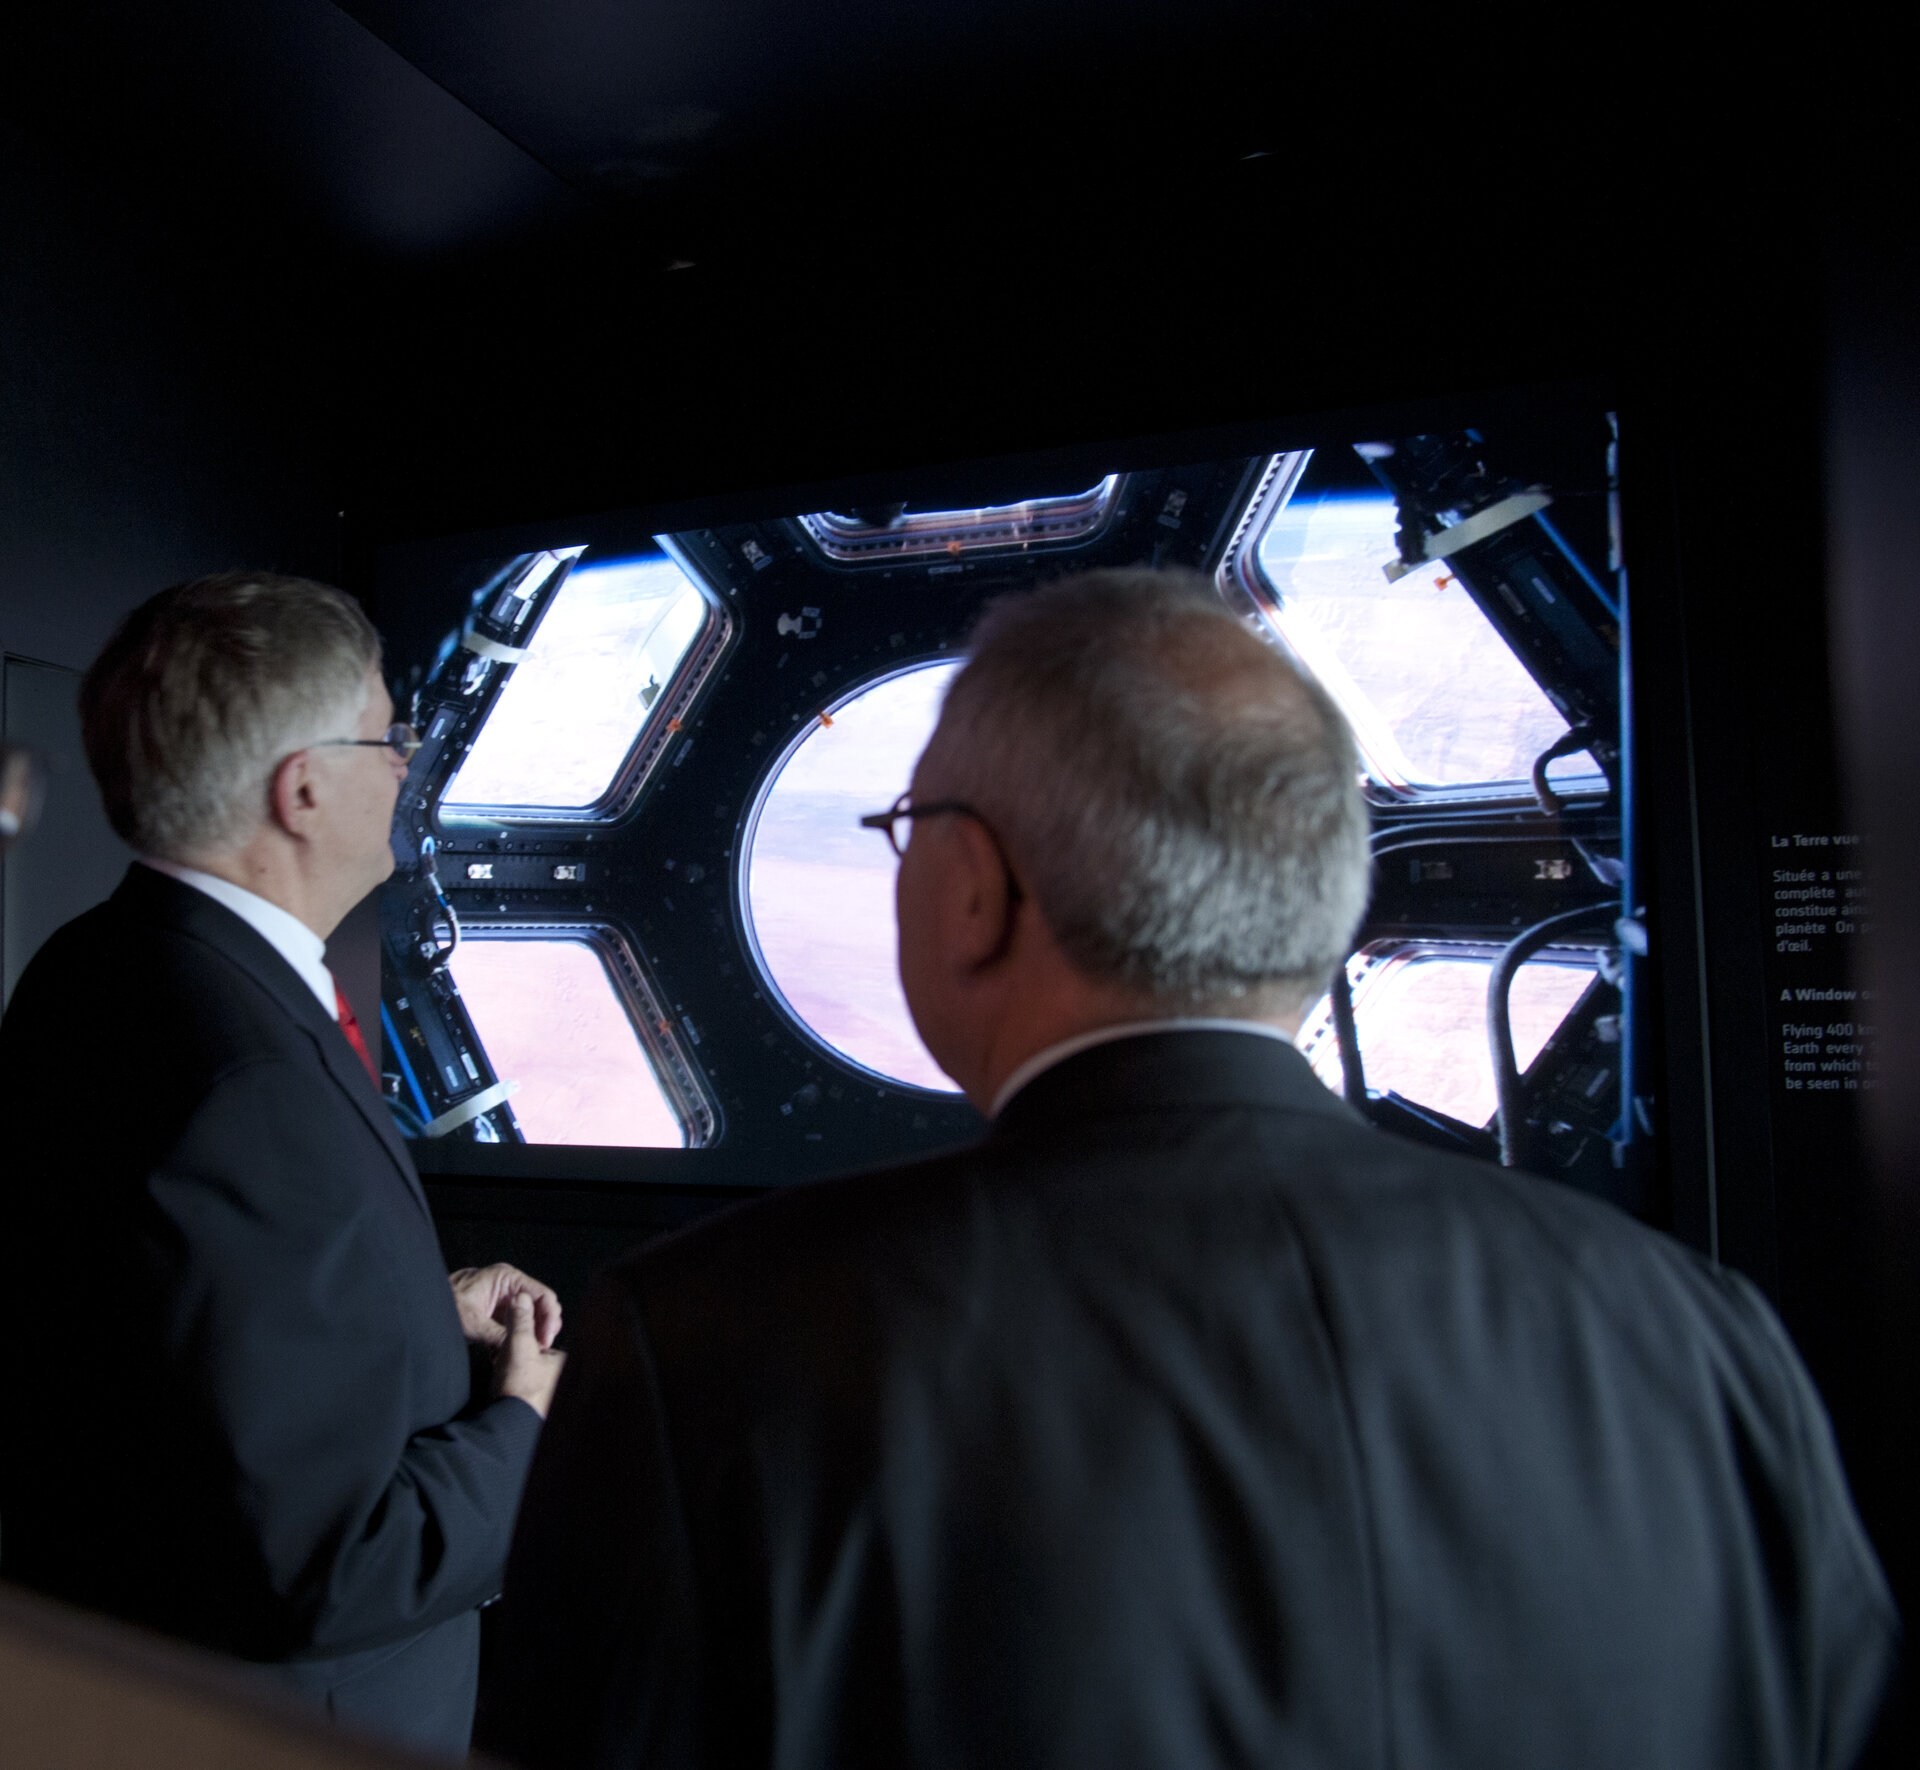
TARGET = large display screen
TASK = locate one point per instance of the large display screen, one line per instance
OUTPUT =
(634, 908)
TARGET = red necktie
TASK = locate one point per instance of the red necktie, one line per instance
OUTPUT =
(351, 1027)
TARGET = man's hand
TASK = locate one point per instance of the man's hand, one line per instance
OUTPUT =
(523, 1367)
(484, 1296)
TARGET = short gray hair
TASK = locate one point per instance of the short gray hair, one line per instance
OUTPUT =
(203, 689)
(1183, 804)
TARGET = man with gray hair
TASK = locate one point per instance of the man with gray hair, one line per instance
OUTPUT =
(239, 1404)
(1186, 1421)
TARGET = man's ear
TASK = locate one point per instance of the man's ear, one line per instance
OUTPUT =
(292, 798)
(981, 897)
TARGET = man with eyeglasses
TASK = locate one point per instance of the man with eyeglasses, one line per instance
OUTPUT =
(240, 1404)
(1185, 1421)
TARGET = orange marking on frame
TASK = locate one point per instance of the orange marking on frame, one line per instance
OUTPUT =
(954, 549)
(826, 718)
(673, 725)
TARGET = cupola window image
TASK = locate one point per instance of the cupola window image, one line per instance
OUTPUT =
(1402, 656)
(819, 889)
(565, 723)
(636, 908)
(1418, 1008)
(1440, 703)
(550, 1012)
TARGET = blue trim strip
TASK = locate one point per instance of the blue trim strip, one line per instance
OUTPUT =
(1573, 559)
(392, 1035)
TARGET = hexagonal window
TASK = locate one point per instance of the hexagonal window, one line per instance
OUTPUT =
(617, 656)
(1420, 1008)
(1440, 704)
(557, 1008)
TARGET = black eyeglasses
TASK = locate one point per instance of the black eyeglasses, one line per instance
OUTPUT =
(900, 812)
(402, 740)
(888, 822)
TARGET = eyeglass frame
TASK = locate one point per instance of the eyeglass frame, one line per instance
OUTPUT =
(884, 822)
(405, 747)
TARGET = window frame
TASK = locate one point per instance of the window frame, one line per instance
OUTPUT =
(659, 725)
(1031, 525)
(1391, 952)
(689, 1097)
(1244, 586)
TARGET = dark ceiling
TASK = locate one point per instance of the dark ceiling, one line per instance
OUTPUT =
(581, 252)
(412, 126)
(621, 99)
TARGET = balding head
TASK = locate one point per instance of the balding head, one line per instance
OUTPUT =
(1180, 801)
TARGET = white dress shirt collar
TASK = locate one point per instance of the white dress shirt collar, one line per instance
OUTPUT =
(290, 937)
(1042, 1061)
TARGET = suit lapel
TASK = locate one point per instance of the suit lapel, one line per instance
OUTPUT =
(349, 1074)
(195, 913)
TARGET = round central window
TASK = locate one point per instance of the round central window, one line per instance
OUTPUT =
(819, 889)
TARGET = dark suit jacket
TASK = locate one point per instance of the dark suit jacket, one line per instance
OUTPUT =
(236, 1386)
(1186, 1422)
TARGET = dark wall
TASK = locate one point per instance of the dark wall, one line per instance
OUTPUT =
(1872, 434)
(150, 425)
(162, 413)
(74, 858)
